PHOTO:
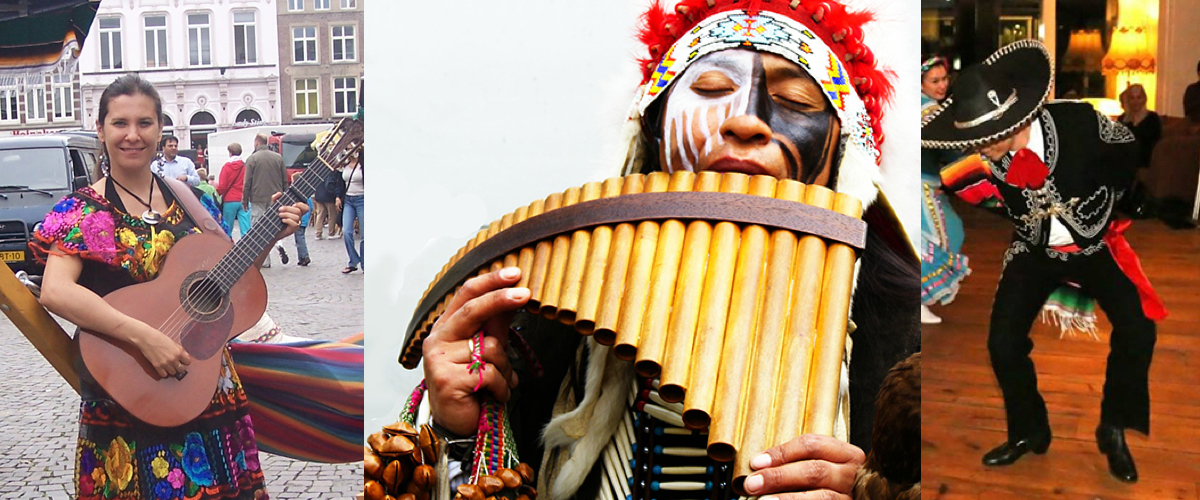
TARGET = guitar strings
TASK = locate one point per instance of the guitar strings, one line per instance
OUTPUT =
(179, 318)
(237, 258)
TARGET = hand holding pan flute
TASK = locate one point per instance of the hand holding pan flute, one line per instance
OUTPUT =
(485, 303)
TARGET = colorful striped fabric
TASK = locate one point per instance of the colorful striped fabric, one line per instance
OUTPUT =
(967, 178)
(306, 397)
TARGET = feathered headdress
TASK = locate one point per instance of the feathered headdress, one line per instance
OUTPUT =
(821, 36)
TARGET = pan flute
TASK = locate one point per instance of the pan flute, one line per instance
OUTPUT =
(733, 290)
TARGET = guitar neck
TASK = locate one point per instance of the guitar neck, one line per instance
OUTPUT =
(262, 232)
(341, 145)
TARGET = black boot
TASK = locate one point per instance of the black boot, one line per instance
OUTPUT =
(1010, 451)
(1112, 444)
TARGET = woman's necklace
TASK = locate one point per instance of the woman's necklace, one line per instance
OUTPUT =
(150, 216)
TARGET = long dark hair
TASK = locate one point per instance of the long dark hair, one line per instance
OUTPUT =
(129, 84)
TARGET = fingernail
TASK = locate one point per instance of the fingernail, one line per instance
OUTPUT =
(509, 273)
(762, 461)
(518, 293)
(753, 483)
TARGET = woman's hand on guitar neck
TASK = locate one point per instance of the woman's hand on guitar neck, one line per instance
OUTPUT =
(811, 463)
(164, 353)
(484, 303)
(290, 215)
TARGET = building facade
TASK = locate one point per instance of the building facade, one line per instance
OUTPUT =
(320, 59)
(214, 62)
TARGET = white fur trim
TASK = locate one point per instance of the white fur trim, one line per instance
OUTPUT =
(586, 430)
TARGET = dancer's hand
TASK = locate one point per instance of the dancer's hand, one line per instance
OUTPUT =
(809, 465)
(485, 303)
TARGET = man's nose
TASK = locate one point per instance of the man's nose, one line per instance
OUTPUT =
(747, 129)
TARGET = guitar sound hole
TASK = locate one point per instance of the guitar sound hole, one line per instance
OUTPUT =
(204, 296)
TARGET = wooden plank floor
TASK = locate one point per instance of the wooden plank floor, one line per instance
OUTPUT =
(962, 411)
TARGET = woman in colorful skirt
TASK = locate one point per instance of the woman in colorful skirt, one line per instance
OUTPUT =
(942, 266)
(118, 232)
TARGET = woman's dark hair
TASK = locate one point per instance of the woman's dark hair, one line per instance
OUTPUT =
(129, 84)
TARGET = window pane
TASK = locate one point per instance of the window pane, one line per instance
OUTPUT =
(204, 52)
(195, 19)
(337, 50)
(350, 49)
(110, 22)
(117, 50)
(150, 49)
(239, 44)
(194, 46)
(162, 47)
(251, 46)
(105, 47)
(243, 17)
(156, 21)
(312, 50)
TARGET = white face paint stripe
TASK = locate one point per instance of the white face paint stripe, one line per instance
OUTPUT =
(691, 115)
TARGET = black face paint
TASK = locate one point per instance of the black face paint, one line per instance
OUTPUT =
(806, 133)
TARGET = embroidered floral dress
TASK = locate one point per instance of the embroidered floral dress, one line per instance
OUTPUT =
(119, 457)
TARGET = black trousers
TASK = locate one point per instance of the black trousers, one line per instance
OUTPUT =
(1025, 285)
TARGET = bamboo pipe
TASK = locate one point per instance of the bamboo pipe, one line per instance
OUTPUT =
(825, 380)
(714, 309)
(558, 262)
(645, 240)
(655, 327)
(620, 250)
(597, 263)
(541, 261)
(802, 326)
(685, 309)
(572, 278)
(758, 411)
(723, 432)
(527, 255)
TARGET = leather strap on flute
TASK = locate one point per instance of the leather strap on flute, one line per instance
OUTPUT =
(731, 207)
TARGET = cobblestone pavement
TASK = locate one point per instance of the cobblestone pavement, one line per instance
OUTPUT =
(39, 418)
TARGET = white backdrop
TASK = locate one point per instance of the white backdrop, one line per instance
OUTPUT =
(476, 108)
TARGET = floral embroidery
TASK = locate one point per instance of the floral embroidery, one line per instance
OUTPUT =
(98, 476)
(195, 460)
(98, 234)
(246, 432)
(118, 463)
(160, 466)
(175, 477)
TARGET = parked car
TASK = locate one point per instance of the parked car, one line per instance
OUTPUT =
(35, 172)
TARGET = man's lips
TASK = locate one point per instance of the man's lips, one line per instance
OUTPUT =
(731, 164)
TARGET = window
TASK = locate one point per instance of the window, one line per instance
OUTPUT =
(304, 44)
(345, 95)
(110, 43)
(349, 4)
(35, 100)
(343, 43)
(8, 104)
(198, 42)
(320, 4)
(156, 41)
(295, 5)
(306, 97)
(63, 97)
(244, 43)
(247, 117)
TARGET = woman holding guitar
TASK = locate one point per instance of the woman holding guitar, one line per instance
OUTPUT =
(118, 232)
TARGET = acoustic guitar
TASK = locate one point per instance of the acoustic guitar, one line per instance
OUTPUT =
(207, 292)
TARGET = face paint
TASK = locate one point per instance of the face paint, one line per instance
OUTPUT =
(746, 111)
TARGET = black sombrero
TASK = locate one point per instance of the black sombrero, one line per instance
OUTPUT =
(991, 99)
